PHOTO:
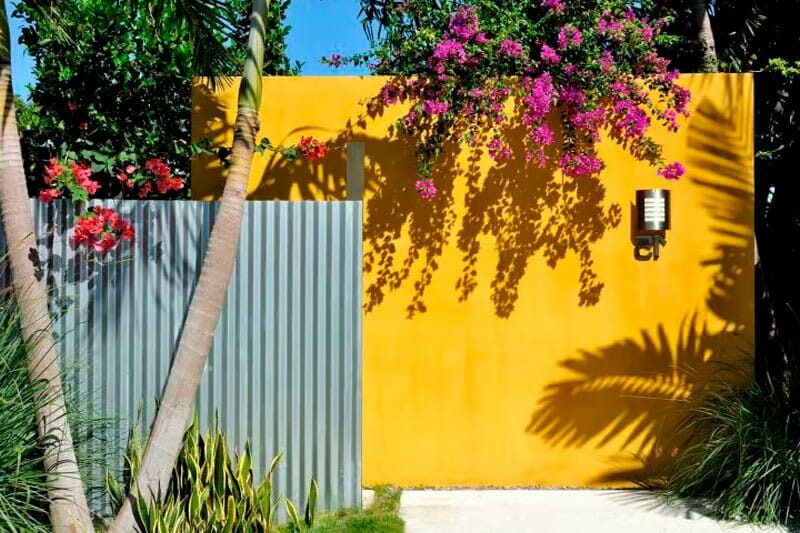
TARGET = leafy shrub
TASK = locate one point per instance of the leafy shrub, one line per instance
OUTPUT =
(209, 491)
(744, 459)
(117, 92)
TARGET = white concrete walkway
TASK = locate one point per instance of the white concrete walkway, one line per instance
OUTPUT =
(553, 511)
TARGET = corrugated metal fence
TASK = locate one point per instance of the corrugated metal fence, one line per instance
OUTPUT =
(285, 369)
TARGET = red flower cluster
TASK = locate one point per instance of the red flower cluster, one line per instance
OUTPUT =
(165, 181)
(101, 229)
(60, 179)
(312, 149)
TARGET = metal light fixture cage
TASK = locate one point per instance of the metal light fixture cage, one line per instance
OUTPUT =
(652, 209)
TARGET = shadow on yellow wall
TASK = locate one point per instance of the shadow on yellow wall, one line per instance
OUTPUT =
(508, 332)
(525, 210)
(642, 387)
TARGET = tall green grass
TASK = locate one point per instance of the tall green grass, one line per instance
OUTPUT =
(23, 489)
(23, 484)
(743, 460)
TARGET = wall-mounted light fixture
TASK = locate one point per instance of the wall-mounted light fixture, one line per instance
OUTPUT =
(652, 222)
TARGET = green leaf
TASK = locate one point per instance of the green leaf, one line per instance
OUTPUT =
(292, 512)
(311, 503)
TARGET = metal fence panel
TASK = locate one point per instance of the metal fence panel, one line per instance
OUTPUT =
(285, 367)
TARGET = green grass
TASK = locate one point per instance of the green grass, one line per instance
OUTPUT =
(380, 517)
(23, 486)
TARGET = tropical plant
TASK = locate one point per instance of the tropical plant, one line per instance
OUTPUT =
(23, 484)
(116, 95)
(23, 481)
(744, 460)
(208, 299)
(210, 491)
(67, 500)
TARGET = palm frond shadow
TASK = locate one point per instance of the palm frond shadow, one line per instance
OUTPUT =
(636, 393)
(634, 388)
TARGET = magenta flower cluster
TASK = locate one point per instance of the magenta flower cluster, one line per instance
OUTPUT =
(598, 73)
(673, 171)
(511, 48)
(426, 189)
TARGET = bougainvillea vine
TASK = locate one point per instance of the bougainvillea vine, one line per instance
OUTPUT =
(569, 71)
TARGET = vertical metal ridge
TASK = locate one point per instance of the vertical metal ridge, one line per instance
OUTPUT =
(285, 367)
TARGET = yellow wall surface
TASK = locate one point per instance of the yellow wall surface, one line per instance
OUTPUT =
(510, 337)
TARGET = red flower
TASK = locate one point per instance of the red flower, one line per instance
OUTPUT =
(145, 190)
(47, 195)
(169, 183)
(158, 167)
(127, 233)
(72, 106)
(82, 175)
(101, 229)
(312, 149)
(84, 126)
(52, 170)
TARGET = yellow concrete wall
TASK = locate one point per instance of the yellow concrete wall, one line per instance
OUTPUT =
(510, 338)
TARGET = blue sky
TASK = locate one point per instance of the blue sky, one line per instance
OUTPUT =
(319, 27)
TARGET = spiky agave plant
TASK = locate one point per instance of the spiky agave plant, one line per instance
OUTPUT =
(210, 490)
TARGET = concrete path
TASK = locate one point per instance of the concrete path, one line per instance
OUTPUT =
(553, 511)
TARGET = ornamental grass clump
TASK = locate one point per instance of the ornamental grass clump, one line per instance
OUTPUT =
(743, 461)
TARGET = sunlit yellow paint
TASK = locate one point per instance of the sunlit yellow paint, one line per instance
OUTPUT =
(538, 390)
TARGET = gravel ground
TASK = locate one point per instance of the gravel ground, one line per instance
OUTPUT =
(554, 511)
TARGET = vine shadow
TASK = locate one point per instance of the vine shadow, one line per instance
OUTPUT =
(522, 212)
(642, 389)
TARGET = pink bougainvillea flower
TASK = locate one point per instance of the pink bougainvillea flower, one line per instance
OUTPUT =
(557, 6)
(569, 36)
(72, 106)
(580, 165)
(435, 107)
(549, 55)
(498, 150)
(426, 189)
(335, 60)
(630, 119)
(673, 171)
(464, 24)
(511, 48)
(130, 169)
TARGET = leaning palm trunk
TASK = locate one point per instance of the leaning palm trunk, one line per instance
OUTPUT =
(68, 509)
(207, 302)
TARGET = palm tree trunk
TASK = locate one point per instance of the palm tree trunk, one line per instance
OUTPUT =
(705, 35)
(69, 511)
(208, 300)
